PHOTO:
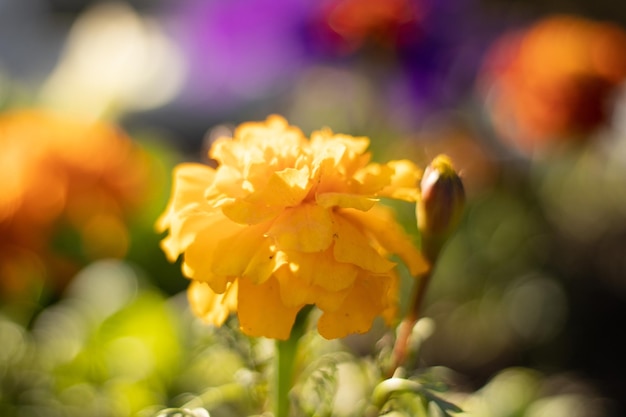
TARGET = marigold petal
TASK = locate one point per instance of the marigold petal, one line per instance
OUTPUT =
(246, 253)
(228, 182)
(199, 257)
(245, 212)
(189, 184)
(352, 246)
(321, 269)
(364, 302)
(306, 228)
(381, 224)
(373, 178)
(321, 138)
(294, 290)
(329, 300)
(275, 129)
(343, 200)
(183, 229)
(404, 181)
(285, 188)
(225, 151)
(264, 263)
(261, 311)
(390, 314)
(211, 307)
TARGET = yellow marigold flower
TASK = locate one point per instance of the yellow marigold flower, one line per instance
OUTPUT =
(284, 222)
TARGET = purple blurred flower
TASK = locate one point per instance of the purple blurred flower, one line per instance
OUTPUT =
(422, 54)
(238, 50)
(439, 65)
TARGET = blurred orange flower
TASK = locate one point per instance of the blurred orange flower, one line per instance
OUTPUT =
(285, 222)
(58, 171)
(380, 21)
(554, 80)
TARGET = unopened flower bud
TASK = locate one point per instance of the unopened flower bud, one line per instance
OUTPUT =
(441, 206)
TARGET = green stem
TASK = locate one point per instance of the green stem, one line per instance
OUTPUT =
(431, 246)
(401, 347)
(285, 358)
(388, 387)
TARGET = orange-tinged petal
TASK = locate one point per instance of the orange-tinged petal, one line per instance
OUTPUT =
(322, 138)
(342, 200)
(306, 228)
(275, 128)
(366, 300)
(209, 306)
(381, 224)
(329, 300)
(404, 181)
(373, 178)
(184, 226)
(245, 212)
(188, 188)
(261, 311)
(232, 254)
(199, 257)
(321, 269)
(264, 263)
(294, 290)
(390, 314)
(246, 253)
(285, 188)
(352, 246)
(315, 278)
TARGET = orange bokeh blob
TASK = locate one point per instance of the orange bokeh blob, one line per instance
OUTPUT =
(379, 21)
(59, 172)
(553, 81)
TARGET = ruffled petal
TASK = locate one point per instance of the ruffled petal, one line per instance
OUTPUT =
(190, 182)
(245, 212)
(247, 253)
(309, 279)
(321, 269)
(261, 311)
(228, 182)
(366, 300)
(328, 300)
(322, 139)
(294, 290)
(381, 224)
(404, 181)
(285, 188)
(199, 258)
(390, 313)
(306, 228)
(352, 246)
(343, 200)
(373, 178)
(211, 307)
(274, 131)
(184, 228)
